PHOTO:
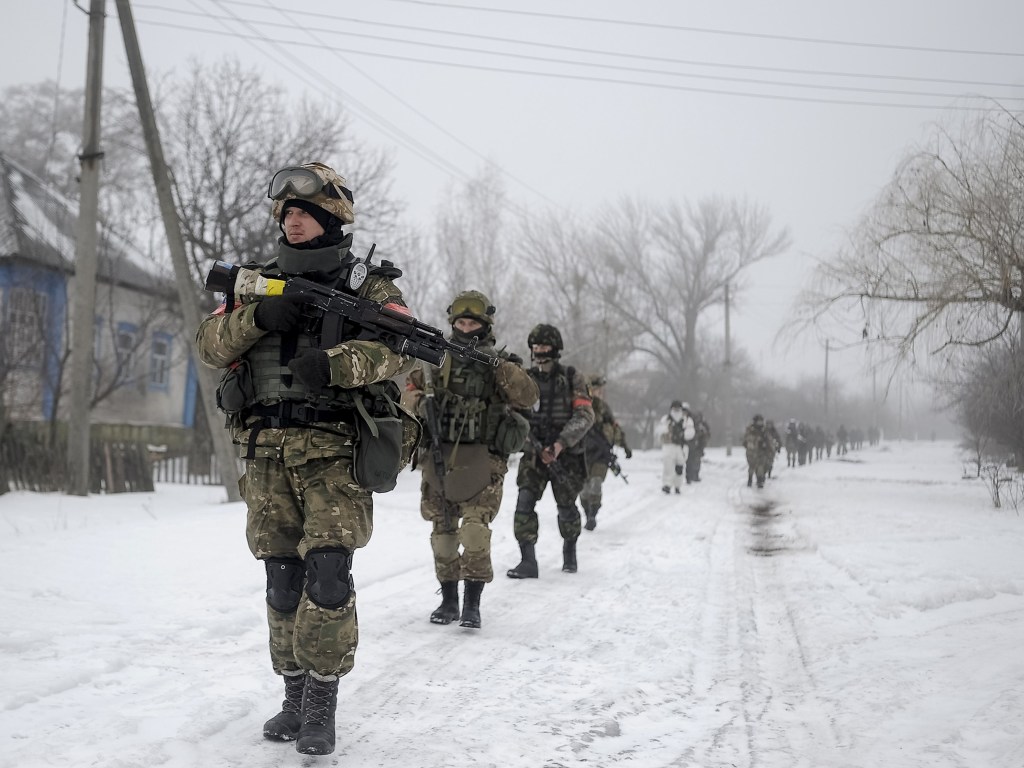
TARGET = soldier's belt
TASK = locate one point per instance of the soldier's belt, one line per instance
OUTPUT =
(296, 414)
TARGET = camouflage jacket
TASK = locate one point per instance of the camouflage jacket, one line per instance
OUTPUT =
(604, 420)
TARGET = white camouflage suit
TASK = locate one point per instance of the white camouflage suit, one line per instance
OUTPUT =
(676, 429)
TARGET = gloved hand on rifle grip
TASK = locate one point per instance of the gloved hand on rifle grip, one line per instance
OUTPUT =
(312, 368)
(278, 313)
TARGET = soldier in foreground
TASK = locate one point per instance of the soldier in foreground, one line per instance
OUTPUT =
(294, 409)
(471, 427)
(598, 448)
(553, 452)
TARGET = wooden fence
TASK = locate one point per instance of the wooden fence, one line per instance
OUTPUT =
(31, 461)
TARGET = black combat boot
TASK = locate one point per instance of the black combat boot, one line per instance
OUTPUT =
(471, 604)
(527, 568)
(569, 555)
(591, 513)
(284, 726)
(448, 610)
(316, 734)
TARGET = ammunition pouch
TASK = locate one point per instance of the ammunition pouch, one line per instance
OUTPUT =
(386, 435)
(235, 389)
(511, 430)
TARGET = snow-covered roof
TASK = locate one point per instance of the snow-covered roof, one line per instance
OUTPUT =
(38, 224)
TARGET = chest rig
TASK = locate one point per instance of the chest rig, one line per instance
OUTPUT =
(279, 398)
(555, 405)
(466, 401)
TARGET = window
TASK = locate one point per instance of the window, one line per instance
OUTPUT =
(160, 361)
(26, 316)
(124, 346)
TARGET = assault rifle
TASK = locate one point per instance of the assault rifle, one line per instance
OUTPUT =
(389, 324)
(605, 451)
(557, 470)
(436, 453)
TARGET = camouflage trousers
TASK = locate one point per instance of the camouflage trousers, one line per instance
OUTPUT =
(758, 464)
(532, 479)
(590, 496)
(293, 510)
(470, 528)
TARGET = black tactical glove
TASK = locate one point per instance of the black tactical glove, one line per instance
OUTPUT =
(278, 313)
(312, 368)
(629, 453)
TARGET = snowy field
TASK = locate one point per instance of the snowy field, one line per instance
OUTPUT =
(865, 612)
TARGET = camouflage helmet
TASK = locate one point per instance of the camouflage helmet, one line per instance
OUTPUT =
(596, 380)
(472, 304)
(315, 182)
(545, 334)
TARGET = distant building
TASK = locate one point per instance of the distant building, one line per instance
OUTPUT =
(142, 373)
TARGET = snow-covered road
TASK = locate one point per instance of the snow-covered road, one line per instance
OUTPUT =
(866, 612)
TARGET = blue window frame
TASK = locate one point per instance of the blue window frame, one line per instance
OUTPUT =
(160, 361)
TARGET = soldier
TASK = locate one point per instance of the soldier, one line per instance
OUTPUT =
(294, 409)
(695, 452)
(776, 441)
(553, 453)
(759, 449)
(598, 448)
(841, 438)
(470, 405)
(792, 442)
(677, 430)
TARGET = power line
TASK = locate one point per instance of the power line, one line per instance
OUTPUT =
(413, 109)
(384, 125)
(599, 52)
(587, 78)
(712, 31)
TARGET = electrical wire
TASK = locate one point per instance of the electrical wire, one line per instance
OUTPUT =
(419, 113)
(589, 78)
(615, 54)
(712, 31)
(382, 124)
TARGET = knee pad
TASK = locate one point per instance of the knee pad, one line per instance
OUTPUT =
(284, 583)
(328, 577)
(526, 502)
(568, 514)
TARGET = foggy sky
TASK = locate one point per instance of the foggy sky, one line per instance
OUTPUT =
(579, 142)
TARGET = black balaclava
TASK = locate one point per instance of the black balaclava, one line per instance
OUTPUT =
(322, 257)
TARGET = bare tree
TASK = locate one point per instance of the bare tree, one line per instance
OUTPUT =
(662, 269)
(229, 130)
(938, 260)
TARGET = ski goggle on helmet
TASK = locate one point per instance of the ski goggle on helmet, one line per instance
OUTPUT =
(472, 304)
(314, 182)
(303, 182)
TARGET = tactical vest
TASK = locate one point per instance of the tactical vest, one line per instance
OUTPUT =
(467, 403)
(677, 430)
(274, 383)
(555, 405)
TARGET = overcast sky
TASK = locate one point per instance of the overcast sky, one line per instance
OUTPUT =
(805, 107)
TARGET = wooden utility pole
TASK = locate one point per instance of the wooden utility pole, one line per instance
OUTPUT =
(728, 378)
(191, 312)
(83, 322)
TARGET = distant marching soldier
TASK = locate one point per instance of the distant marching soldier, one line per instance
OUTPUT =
(598, 447)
